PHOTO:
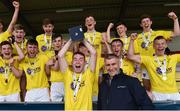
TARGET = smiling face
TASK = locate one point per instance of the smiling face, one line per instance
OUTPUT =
(78, 63)
(48, 28)
(6, 51)
(19, 35)
(90, 23)
(32, 50)
(146, 23)
(121, 30)
(57, 43)
(112, 66)
(116, 47)
(160, 46)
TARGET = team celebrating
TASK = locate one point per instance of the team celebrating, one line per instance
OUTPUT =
(120, 72)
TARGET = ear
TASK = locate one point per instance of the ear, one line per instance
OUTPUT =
(13, 33)
(150, 22)
(140, 25)
(125, 28)
(95, 22)
(24, 34)
(53, 26)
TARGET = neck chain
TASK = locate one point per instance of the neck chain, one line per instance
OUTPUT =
(161, 67)
(48, 42)
(93, 37)
(146, 41)
(76, 85)
(125, 44)
(32, 66)
(6, 70)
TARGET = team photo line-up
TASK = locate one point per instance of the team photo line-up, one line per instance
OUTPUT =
(123, 72)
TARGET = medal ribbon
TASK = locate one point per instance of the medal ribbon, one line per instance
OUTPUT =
(6, 71)
(125, 43)
(32, 65)
(121, 62)
(93, 37)
(146, 41)
(162, 66)
(48, 44)
(22, 45)
(76, 85)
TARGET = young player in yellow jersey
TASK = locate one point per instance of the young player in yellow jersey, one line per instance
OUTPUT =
(83, 49)
(34, 67)
(4, 35)
(78, 80)
(19, 37)
(161, 69)
(119, 47)
(9, 76)
(121, 30)
(94, 37)
(45, 40)
(145, 39)
(56, 78)
(116, 48)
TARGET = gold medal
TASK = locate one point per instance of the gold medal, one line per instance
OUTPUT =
(164, 78)
(75, 99)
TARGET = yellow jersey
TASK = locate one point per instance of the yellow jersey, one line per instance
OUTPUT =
(44, 43)
(127, 66)
(150, 36)
(126, 41)
(95, 39)
(34, 69)
(83, 100)
(158, 84)
(96, 77)
(22, 46)
(9, 84)
(4, 36)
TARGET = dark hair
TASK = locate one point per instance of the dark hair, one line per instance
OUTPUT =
(144, 16)
(80, 53)
(18, 27)
(159, 38)
(117, 40)
(81, 44)
(32, 42)
(110, 56)
(120, 23)
(5, 43)
(55, 35)
(87, 16)
(47, 21)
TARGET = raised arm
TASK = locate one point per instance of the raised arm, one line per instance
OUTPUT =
(52, 64)
(173, 16)
(19, 51)
(110, 26)
(93, 57)
(131, 55)
(15, 71)
(109, 50)
(15, 16)
(61, 56)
